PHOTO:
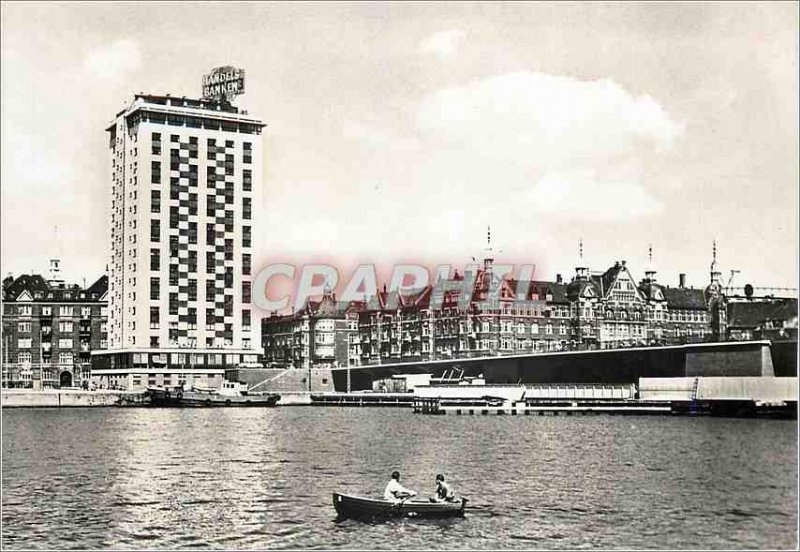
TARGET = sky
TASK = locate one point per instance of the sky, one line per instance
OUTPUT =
(398, 132)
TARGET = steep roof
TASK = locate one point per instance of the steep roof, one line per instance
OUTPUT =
(685, 298)
(39, 290)
(751, 314)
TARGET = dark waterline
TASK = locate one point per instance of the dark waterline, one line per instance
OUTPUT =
(263, 478)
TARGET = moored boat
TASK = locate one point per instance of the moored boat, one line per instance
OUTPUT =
(229, 394)
(356, 507)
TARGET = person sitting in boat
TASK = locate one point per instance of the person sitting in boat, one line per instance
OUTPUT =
(395, 491)
(443, 491)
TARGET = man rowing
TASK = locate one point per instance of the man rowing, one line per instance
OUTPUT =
(395, 491)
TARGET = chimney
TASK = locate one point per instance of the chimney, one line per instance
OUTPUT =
(681, 280)
(558, 278)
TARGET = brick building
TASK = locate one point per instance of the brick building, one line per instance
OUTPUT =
(50, 330)
(594, 310)
(318, 335)
(762, 318)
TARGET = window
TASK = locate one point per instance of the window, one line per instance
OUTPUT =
(245, 320)
(228, 250)
(173, 303)
(173, 217)
(25, 310)
(247, 180)
(65, 343)
(65, 326)
(24, 327)
(246, 208)
(173, 138)
(210, 261)
(155, 201)
(246, 292)
(155, 288)
(155, 170)
(24, 343)
(192, 290)
(24, 358)
(155, 231)
(173, 274)
(246, 264)
(246, 240)
(64, 311)
(155, 259)
(192, 204)
(47, 311)
(210, 290)
(154, 318)
(248, 152)
(65, 359)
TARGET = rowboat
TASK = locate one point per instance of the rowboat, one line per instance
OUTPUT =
(369, 508)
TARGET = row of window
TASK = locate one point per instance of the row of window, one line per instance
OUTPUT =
(155, 231)
(25, 358)
(47, 310)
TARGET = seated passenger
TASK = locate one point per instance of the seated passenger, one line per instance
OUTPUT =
(443, 491)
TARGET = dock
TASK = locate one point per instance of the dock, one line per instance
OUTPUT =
(551, 408)
(363, 399)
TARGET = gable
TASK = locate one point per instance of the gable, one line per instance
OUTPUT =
(24, 296)
(623, 286)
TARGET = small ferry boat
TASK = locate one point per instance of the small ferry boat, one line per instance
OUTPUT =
(356, 507)
(231, 393)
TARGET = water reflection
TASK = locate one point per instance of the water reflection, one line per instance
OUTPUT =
(264, 478)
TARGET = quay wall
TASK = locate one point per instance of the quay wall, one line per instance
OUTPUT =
(766, 389)
(613, 366)
(28, 398)
(284, 380)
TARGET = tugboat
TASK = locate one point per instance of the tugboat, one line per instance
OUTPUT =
(231, 393)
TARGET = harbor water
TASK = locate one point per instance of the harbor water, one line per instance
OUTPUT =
(263, 478)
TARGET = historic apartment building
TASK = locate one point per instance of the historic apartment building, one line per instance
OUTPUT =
(50, 329)
(184, 177)
(592, 311)
(318, 335)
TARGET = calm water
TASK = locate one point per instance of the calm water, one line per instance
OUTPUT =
(263, 478)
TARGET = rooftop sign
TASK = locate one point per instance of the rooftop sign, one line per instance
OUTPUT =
(223, 83)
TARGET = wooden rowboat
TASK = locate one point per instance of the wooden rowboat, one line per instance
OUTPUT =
(369, 508)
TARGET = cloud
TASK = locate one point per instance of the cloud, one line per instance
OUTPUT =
(546, 120)
(578, 147)
(111, 62)
(443, 44)
(589, 196)
(373, 137)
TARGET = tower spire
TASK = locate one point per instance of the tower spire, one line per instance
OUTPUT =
(715, 273)
(650, 271)
(581, 271)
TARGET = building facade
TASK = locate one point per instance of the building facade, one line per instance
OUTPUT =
(318, 335)
(50, 330)
(593, 311)
(185, 175)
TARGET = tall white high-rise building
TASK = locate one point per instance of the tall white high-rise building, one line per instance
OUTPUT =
(185, 175)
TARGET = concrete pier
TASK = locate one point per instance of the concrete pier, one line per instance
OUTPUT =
(29, 398)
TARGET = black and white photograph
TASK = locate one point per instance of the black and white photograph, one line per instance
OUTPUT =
(386, 275)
